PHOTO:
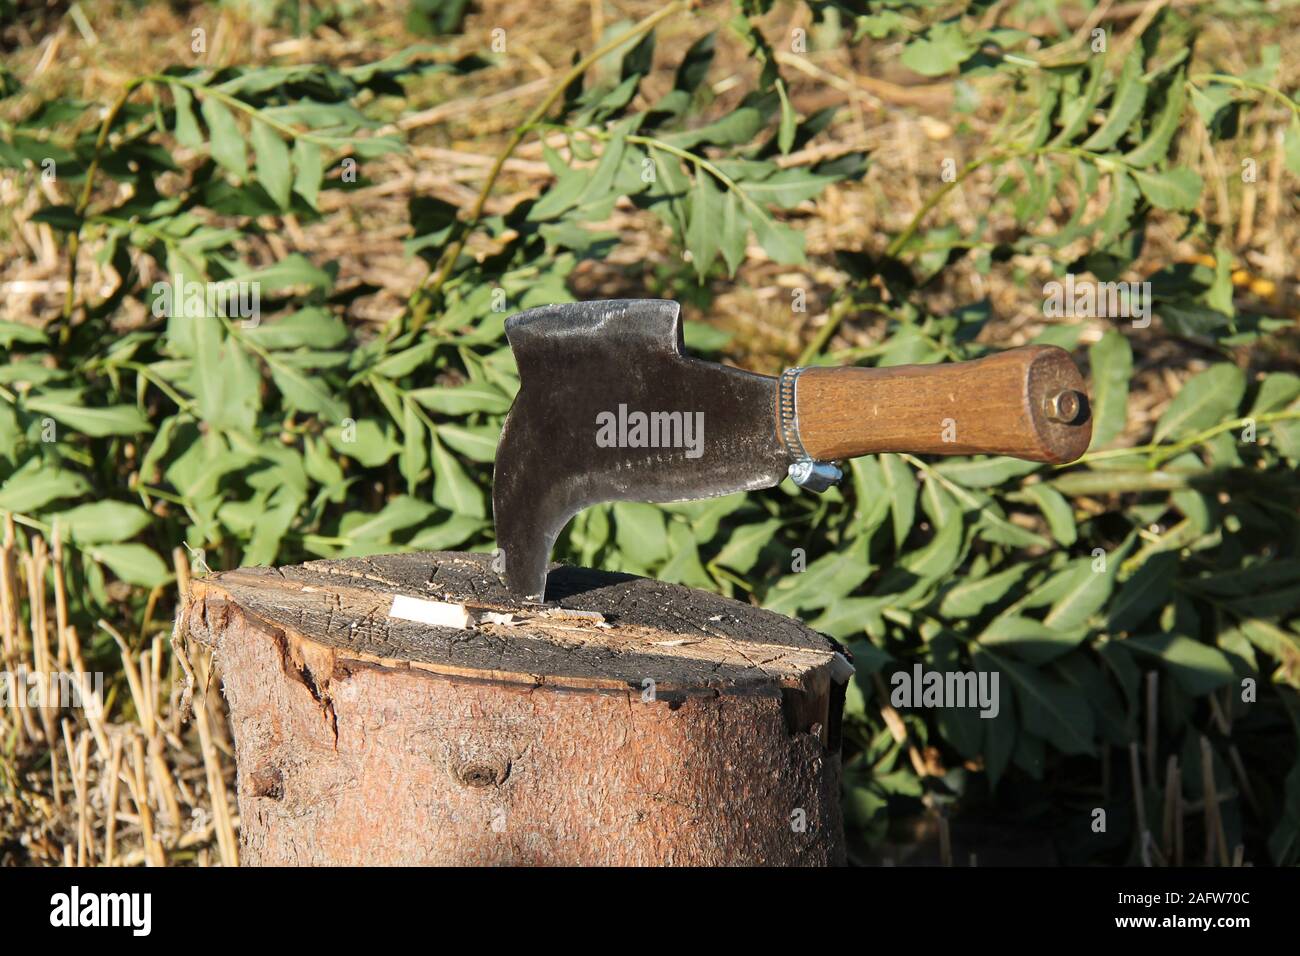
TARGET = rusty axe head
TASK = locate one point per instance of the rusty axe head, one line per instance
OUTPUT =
(610, 408)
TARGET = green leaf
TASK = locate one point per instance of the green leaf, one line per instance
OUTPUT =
(783, 244)
(944, 47)
(1000, 733)
(1280, 603)
(971, 596)
(702, 337)
(1056, 509)
(1250, 580)
(315, 327)
(11, 435)
(848, 617)
(1178, 189)
(734, 129)
(938, 557)
(1082, 592)
(640, 533)
(1125, 106)
(1280, 644)
(704, 515)
(695, 64)
(1291, 146)
(985, 472)
(11, 332)
(1286, 439)
(398, 514)
(453, 489)
(461, 400)
(187, 127)
(598, 195)
(306, 394)
(993, 526)
(1111, 358)
(1149, 588)
(900, 485)
(102, 521)
(362, 441)
(308, 168)
(1082, 673)
(225, 384)
(1047, 95)
(1156, 145)
(225, 140)
(415, 456)
(1049, 707)
(789, 121)
(478, 443)
(292, 271)
(939, 503)
(1204, 400)
(1124, 195)
(400, 364)
(36, 485)
(455, 530)
(1030, 640)
(133, 563)
(208, 376)
(824, 582)
(1077, 111)
(702, 235)
(868, 659)
(273, 167)
(683, 566)
(870, 506)
(1210, 101)
(322, 468)
(272, 525)
(1277, 391)
(744, 544)
(667, 191)
(788, 188)
(96, 422)
(561, 196)
(1198, 668)
(733, 236)
(61, 217)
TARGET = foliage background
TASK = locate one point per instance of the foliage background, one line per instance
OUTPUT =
(798, 208)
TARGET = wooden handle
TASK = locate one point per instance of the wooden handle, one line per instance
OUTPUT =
(1028, 403)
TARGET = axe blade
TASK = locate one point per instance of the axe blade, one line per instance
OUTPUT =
(610, 408)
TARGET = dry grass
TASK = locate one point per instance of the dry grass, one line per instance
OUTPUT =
(142, 773)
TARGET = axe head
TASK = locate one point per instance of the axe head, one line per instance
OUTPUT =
(610, 408)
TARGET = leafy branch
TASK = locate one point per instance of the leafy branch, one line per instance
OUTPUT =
(427, 294)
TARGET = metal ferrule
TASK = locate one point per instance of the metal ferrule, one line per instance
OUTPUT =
(805, 471)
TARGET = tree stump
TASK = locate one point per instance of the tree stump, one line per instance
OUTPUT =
(402, 709)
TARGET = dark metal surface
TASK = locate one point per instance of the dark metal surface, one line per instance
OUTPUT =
(580, 360)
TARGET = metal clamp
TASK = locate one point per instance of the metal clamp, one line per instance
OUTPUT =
(805, 471)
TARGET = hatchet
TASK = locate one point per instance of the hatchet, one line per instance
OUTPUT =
(611, 408)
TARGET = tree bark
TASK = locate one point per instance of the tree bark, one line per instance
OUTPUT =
(402, 709)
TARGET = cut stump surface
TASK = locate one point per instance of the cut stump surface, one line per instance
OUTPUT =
(403, 709)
